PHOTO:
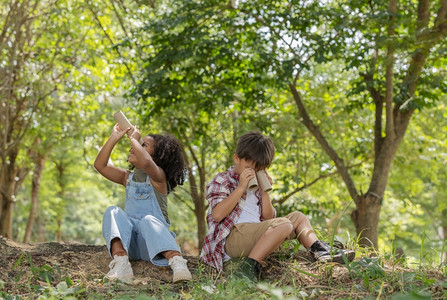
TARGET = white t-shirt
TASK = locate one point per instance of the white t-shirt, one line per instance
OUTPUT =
(250, 211)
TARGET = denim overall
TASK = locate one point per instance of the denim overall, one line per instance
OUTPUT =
(142, 228)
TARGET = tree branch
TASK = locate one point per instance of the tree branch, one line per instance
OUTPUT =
(441, 18)
(378, 102)
(389, 77)
(194, 190)
(112, 43)
(339, 163)
(306, 185)
(183, 201)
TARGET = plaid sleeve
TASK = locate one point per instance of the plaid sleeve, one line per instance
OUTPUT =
(218, 189)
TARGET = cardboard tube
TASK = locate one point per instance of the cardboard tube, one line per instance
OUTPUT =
(124, 123)
(121, 119)
(253, 184)
(263, 181)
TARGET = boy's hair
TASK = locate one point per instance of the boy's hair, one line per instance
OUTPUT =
(169, 155)
(255, 147)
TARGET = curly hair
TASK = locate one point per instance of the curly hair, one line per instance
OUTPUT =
(169, 155)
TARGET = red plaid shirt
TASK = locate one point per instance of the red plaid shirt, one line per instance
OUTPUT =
(217, 190)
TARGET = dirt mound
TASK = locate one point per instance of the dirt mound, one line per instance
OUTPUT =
(24, 263)
(28, 270)
(73, 260)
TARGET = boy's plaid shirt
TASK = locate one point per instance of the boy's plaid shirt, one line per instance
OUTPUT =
(217, 190)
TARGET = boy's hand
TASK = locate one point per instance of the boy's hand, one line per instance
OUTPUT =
(245, 177)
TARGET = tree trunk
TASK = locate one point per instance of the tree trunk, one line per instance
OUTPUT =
(197, 191)
(442, 232)
(200, 212)
(37, 174)
(366, 220)
(40, 238)
(58, 232)
(444, 254)
(7, 180)
(6, 207)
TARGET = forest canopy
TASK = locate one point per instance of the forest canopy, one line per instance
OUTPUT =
(353, 94)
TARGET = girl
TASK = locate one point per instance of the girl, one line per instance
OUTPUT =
(142, 230)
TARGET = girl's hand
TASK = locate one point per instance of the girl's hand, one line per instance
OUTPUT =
(245, 178)
(117, 132)
(135, 134)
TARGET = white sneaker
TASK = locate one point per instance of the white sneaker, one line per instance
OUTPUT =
(120, 268)
(180, 269)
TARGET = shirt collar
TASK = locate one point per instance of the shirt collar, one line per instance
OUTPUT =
(233, 174)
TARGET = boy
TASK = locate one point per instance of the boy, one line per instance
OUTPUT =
(243, 223)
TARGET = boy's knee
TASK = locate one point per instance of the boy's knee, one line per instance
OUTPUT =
(285, 228)
(297, 217)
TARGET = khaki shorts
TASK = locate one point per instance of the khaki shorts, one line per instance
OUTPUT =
(243, 236)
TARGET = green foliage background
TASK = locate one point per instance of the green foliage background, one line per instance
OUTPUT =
(130, 56)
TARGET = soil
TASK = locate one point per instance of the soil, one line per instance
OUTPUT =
(27, 270)
(24, 264)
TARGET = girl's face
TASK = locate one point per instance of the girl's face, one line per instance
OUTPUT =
(148, 145)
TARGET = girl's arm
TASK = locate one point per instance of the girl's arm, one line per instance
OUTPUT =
(146, 163)
(102, 160)
(268, 212)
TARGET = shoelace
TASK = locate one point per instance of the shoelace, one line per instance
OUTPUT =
(177, 263)
(112, 264)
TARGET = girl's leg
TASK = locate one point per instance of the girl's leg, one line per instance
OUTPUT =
(117, 248)
(158, 243)
(162, 249)
(170, 254)
(117, 231)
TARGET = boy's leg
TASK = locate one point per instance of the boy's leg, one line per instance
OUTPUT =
(270, 241)
(306, 236)
(257, 240)
(302, 230)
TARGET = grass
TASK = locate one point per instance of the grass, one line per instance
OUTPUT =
(285, 276)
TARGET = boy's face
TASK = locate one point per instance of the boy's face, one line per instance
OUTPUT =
(242, 163)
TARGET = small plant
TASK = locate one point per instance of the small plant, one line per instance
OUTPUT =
(367, 269)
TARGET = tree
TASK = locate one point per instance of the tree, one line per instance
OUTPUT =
(423, 201)
(26, 81)
(221, 51)
(54, 65)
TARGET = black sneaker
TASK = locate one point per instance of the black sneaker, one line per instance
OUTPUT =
(322, 252)
(250, 269)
